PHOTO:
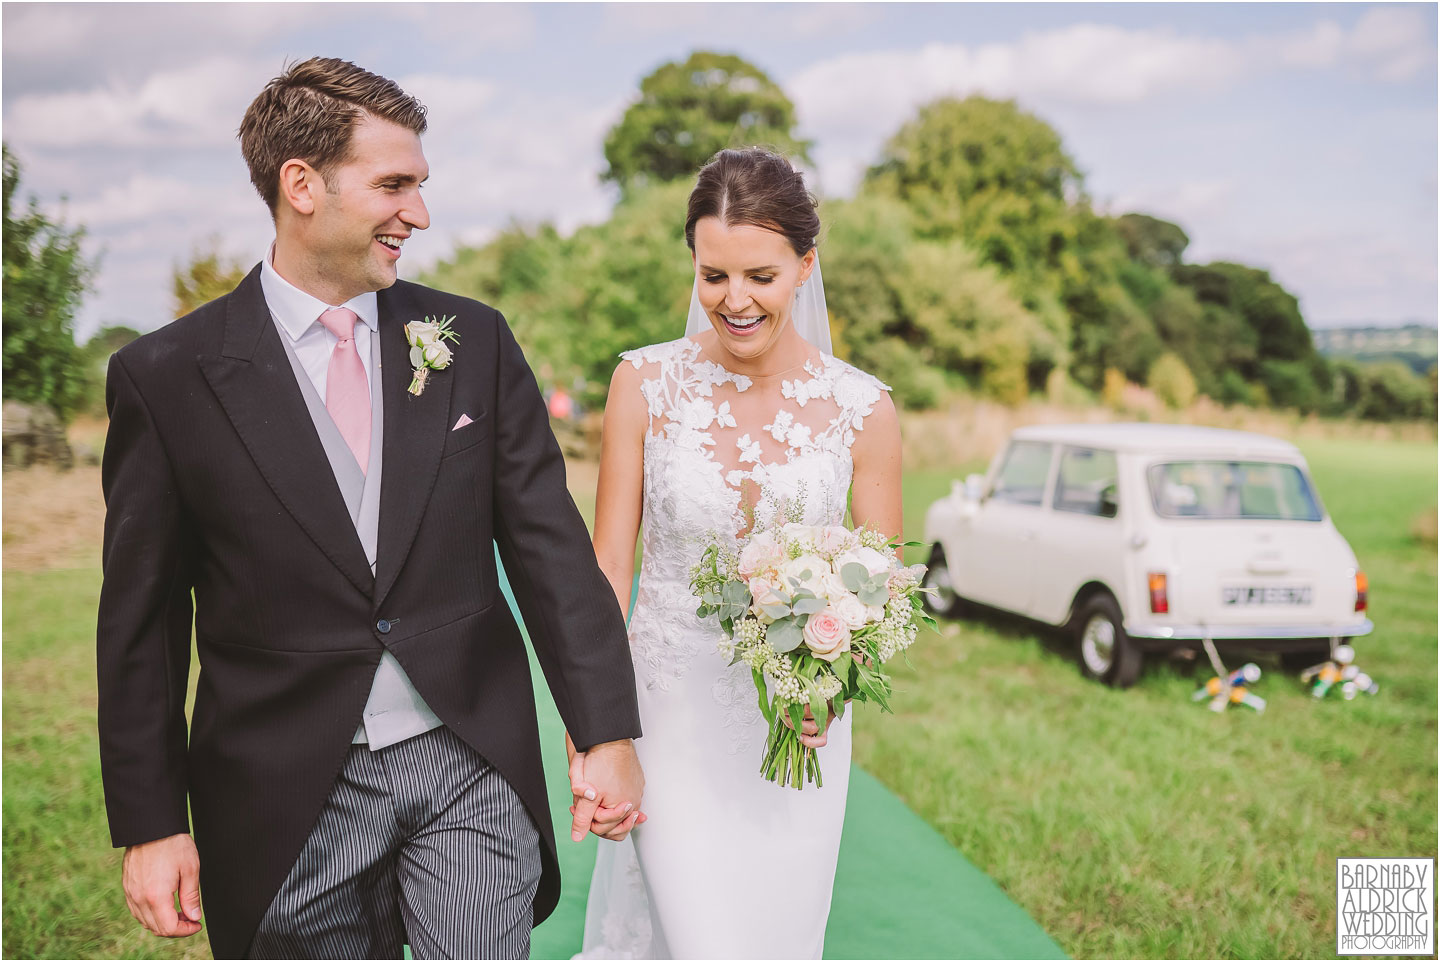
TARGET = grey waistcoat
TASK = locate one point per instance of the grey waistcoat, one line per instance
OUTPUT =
(395, 711)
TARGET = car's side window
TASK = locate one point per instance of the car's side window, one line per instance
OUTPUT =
(1087, 483)
(1022, 477)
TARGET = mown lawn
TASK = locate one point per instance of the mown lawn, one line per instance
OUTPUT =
(1136, 823)
(1129, 823)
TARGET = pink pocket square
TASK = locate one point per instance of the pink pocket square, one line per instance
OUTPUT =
(464, 420)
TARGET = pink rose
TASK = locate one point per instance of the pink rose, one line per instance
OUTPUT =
(826, 635)
(763, 591)
(760, 552)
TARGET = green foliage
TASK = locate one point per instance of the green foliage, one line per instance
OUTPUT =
(689, 110)
(46, 276)
(1151, 241)
(1171, 381)
(575, 303)
(918, 311)
(208, 275)
(95, 357)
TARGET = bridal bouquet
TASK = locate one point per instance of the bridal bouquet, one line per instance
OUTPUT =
(815, 612)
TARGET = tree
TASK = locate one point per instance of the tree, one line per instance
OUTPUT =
(1152, 241)
(46, 275)
(207, 276)
(575, 303)
(1171, 381)
(688, 111)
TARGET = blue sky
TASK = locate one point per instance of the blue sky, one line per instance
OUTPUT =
(1297, 137)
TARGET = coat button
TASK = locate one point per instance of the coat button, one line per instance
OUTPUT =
(382, 626)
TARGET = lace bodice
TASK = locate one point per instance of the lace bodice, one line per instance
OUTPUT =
(720, 453)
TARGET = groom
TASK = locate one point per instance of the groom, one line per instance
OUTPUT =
(363, 763)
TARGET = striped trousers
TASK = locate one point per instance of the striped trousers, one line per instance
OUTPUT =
(421, 842)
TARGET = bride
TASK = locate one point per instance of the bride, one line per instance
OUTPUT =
(746, 415)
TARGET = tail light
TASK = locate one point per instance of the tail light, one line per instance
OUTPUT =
(1159, 600)
(1362, 591)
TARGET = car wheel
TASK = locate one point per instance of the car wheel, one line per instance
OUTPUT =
(941, 600)
(1106, 653)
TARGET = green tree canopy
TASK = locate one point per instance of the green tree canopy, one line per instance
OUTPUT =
(689, 110)
(46, 275)
(206, 276)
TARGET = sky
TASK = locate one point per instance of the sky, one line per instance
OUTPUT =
(1300, 138)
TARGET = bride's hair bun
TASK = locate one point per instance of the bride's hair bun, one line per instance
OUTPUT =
(757, 187)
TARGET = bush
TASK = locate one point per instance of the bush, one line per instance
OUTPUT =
(1172, 381)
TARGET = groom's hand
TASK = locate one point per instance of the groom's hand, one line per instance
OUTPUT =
(608, 785)
(152, 873)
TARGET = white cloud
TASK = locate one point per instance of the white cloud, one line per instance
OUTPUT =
(1185, 203)
(196, 105)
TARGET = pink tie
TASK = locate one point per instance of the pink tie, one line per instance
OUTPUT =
(347, 396)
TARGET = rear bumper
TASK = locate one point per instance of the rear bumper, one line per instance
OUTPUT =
(1276, 637)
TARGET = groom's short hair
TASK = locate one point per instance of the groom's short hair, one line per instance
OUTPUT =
(309, 112)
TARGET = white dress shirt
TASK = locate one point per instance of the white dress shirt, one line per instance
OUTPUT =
(297, 315)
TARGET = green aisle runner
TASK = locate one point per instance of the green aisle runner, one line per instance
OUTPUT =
(901, 890)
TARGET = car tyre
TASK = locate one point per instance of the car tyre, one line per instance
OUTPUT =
(944, 602)
(1106, 653)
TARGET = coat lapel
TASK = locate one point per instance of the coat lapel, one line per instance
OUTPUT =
(256, 386)
(415, 431)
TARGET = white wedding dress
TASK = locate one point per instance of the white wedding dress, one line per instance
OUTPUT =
(728, 865)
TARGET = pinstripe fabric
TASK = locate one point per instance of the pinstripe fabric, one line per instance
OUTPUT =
(422, 841)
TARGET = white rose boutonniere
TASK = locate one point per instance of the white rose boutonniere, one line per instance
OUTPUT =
(428, 350)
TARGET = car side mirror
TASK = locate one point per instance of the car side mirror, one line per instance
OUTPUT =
(1109, 502)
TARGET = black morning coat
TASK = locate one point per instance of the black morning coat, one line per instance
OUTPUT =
(216, 483)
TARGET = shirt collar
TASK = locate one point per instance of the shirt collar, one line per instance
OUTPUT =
(297, 310)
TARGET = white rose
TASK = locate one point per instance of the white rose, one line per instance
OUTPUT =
(850, 610)
(422, 333)
(832, 586)
(874, 612)
(835, 539)
(438, 355)
(871, 560)
(801, 534)
(809, 570)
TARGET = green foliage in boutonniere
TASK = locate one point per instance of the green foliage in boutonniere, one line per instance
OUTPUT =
(428, 350)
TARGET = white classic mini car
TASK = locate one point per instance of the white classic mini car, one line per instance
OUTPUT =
(1149, 537)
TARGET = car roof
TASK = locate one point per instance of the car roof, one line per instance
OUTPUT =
(1177, 439)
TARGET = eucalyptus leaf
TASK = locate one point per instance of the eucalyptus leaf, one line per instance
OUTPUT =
(775, 611)
(874, 596)
(854, 575)
(809, 606)
(784, 635)
(736, 593)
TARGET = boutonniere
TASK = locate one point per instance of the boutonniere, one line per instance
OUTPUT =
(428, 350)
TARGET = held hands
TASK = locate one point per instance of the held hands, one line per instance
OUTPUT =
(606, 784)
(152, 873)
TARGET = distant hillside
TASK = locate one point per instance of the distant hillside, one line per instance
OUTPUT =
(1413, 344)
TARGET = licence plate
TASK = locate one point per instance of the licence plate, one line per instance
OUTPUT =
(1300, 595)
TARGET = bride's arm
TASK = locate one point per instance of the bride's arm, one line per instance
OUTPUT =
(619, 493)
(875, 493)
(618, 498)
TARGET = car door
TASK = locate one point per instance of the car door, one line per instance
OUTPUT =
(1083, 538)
(995, 568)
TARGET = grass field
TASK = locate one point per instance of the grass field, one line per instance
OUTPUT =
(1127, 823)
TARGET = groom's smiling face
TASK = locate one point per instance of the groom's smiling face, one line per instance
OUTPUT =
(370, 206)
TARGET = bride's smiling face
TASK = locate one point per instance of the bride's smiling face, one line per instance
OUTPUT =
(747, 277)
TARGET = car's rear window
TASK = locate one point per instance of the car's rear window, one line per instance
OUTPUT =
(1230, 490)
